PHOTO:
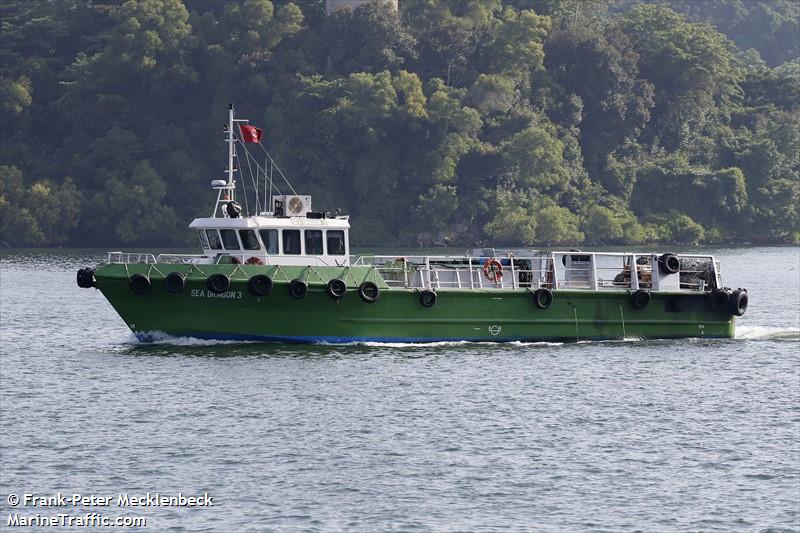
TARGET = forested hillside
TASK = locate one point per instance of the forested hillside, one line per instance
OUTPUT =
(511, 122)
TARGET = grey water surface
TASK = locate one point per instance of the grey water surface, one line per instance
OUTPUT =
(697, 435)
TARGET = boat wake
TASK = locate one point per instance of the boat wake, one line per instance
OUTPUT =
(767, 333)
(159, 338)
(436, 344)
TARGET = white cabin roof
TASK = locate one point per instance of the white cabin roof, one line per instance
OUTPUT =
(263, 222)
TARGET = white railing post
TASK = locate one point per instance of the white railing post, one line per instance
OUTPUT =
(513, 275)
(471, 275)
(555, 274)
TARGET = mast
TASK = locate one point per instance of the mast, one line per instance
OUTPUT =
(231, 152)
(226, 190)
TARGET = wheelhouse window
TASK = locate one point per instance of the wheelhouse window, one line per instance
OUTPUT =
(203, 239)
(270, 239)
(313, 242)
(249, 239)
(291, 241)
(335, 242)
(229, 239)
(213, 239)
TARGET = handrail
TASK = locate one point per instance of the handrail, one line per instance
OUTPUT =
(128, 257)
(556, 270)
(553, 270)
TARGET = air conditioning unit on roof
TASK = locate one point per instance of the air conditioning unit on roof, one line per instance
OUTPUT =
(291, 205)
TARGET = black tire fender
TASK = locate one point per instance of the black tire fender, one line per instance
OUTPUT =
(718, 300)
(336, 288)
(427, 298)
(369, 292)
(86, 279)
(175, 282)
(542, 298)
(737, 304)
(640, 299)
(298, 289)
(259, 285)
(218, 283)
(669, 263)
(139, 283)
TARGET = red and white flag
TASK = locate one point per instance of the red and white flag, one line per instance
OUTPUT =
(251, 134)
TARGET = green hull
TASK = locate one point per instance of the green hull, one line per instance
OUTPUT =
(469, 314)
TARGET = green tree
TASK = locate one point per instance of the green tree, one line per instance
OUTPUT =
(603, 225)
(691, 67)
(513, 223)
(708, 196)
(130, 209)
(557, 225)
(452, 121)
(35, 214)
(615, 102)
(769, 26)
(369, 38)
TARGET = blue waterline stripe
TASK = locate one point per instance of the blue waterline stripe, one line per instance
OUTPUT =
(314, 339)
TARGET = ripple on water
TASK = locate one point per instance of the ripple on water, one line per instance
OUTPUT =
(696, 434)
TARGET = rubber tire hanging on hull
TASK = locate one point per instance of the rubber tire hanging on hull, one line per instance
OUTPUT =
(427, 298)
(369, 292)
(640, 299)
(298, 289)
(737, 304)
(218, 283)
(336, 288)
(542, 298)
(259, 285)
(85, 278)
(139, 283)
(175, 282)
(718, 300)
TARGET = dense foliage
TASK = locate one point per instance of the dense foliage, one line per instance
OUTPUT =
(515, 122)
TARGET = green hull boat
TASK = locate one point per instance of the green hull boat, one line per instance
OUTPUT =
(397, 315)
(284, 273)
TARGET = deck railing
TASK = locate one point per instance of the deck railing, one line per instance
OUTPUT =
(557, 270)
(560, 270)
(131, 257)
